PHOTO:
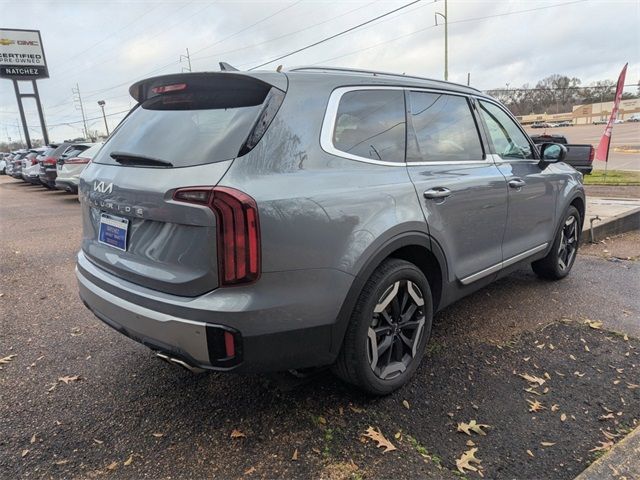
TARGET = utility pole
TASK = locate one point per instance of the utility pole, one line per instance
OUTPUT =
(446, 39)
(187, 57)
(468, 79)
(77, 98)
(104, 117)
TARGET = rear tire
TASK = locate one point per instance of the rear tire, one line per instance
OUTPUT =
(388, 330)
(558, 262)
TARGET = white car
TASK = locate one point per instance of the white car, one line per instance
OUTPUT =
(69, 172)
(3, 164)
(30, 167)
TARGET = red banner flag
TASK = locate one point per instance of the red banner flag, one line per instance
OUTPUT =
(602, 152)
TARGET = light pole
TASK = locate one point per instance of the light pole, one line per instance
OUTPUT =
(102, 103)
(446, 39)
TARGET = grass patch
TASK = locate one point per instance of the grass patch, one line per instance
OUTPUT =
(614, 177)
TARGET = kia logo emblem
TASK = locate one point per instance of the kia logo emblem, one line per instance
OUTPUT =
(102, 187)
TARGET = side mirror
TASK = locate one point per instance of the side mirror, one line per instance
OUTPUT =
(552, 152)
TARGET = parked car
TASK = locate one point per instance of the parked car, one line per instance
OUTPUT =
(539, 125)
(565, 123)
(618, 121)
(48, 163)
(16, 171)
(69, 173)
(600, 122)
(634, 118)
(281, 220)
(30, 167)
(579, 157)
(3, 163)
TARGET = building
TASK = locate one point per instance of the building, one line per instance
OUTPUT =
(586, 114)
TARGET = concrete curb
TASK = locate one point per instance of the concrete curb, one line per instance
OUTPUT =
(619, 462)
(625, 222)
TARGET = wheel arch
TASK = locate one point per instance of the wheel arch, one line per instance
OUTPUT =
(415, 247)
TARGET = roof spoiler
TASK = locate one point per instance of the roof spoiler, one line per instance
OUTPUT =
(225, 67)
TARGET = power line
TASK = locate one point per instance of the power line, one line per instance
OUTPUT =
(415, 32)
(326, 39)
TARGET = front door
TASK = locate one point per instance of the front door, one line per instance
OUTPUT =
(462, 192)
(533, 190)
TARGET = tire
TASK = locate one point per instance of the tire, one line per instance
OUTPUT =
(558, 262)
(394, 288)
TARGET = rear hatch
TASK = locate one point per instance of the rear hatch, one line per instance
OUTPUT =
(185, 132)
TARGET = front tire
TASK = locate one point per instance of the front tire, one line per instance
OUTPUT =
(388, 330)
(558, 262)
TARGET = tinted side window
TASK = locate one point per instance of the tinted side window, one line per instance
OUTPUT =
(444, 127)
(508, 140)
(371, 124)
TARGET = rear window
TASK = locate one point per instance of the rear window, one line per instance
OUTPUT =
(371, 124)
(201, 124)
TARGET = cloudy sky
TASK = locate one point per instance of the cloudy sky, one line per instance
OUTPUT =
(105, 45)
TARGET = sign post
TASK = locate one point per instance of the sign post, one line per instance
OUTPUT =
(22, 58)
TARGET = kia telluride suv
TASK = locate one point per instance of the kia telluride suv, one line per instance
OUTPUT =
(267, 221)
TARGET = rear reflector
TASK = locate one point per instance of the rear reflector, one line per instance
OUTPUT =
(176, 87)
(77, 160)
(238, 231)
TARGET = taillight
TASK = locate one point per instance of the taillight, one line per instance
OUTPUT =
(77, 160)
(176, 87)
(592, 154)
(49, 161)
(238, 229)
(34, 161)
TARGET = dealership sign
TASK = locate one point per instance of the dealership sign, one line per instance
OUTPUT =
(21, 55)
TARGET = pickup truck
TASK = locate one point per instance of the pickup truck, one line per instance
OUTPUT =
(579, 157)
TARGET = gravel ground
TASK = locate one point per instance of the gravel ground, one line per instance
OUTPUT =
(128, 415)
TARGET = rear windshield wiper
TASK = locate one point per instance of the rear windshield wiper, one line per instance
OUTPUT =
(133, 159)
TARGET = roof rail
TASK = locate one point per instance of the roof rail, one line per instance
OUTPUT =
(374, 73)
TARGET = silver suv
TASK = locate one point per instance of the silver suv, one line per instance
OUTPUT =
(261, 221)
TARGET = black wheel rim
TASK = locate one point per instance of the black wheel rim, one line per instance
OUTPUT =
(396, 329)
(568, 243)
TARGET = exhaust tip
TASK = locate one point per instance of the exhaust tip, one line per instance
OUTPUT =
(181, 363)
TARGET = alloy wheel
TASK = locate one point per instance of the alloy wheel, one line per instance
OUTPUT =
(568, 243)
(396, 329)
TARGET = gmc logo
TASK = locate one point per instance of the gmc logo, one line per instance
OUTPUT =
(102, 187)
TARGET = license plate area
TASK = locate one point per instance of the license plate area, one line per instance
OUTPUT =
(113, 231)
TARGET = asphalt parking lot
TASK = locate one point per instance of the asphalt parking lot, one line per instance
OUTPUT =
(623, 135)
(78, 400)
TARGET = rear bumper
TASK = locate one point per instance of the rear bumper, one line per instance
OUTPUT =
(68, 184)
(284, 321)
(48, 177)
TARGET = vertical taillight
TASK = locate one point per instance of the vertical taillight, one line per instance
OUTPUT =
(592, 154)
(238, 230)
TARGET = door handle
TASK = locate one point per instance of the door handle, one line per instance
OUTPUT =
(437, 192)
(517, 183)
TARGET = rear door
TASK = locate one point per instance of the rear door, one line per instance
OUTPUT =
(533, 191)
(185, 133)
(461, 190)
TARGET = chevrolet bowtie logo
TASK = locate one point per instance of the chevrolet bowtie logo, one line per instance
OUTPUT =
(6, 41)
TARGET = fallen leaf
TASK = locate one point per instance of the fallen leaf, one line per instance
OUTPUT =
(586, 347)
(68, 379)
(632, 386)
(555, 407)
(322, 420)
(24, 453)
(608, 416)
(603, 447)
(33, 439)
(112, 466)
(616, 382)
(578, 374)
(295, 455)
(99, 442)
(535, 406)
(52, 387)
(61, 462)
(547, 444)
(128, 461)
(563, 417)
(626, 337)
(472, 426)
(398, 435)
(530, 453)
(250, 471)
(572, 357)
(547, 376)
(470, 443)
(406, 404)
(158, 434)
(355, 409)
(532, 378)
(540, 346)
(532, 391)
(237, 434)
(466, 459)
(377, 436)
(7, 359)
(595, 324)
